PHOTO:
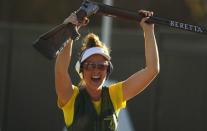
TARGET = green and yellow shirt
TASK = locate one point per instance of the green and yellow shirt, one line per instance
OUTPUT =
(116, 95)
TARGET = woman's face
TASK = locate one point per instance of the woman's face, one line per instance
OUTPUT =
(95, 71)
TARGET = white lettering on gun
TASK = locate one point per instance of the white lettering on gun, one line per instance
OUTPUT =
(186, 26)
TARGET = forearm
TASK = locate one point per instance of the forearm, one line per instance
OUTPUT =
(63, 59)
(63, 83)
(151, 51)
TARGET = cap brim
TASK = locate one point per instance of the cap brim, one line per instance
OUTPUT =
(95, 50)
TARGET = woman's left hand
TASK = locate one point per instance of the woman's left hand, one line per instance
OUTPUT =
(146, 15)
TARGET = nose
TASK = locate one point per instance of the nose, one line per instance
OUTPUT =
(96, 69)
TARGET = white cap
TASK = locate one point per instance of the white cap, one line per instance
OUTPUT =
(89, 52)
(95, 50)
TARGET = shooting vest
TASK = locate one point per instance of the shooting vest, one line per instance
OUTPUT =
(86, 118)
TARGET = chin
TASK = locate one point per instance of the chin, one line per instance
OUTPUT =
(97, 85)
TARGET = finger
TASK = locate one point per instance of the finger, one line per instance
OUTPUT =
(145, 13)
(84, 22)
(148, 14)
(152, 13)
(142, 13)
(144, 19)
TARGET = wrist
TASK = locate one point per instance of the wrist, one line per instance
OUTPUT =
(149, 32)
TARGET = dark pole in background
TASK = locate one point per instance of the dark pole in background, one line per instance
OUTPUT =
(6, 9)
(8, 80)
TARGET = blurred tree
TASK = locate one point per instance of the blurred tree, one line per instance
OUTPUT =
(198, 9)
(171, 9)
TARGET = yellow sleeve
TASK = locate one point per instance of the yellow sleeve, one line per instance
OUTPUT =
(116, 94)
(68, 108)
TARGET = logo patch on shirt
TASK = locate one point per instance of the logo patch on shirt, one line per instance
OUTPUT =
(113, 123)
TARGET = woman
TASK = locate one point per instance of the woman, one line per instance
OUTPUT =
(90, 106)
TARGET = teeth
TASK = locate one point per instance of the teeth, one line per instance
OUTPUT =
(95, 77)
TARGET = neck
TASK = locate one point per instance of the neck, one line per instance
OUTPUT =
(94, 94)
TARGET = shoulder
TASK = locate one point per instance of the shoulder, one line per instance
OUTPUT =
(115, 86)
(116, 94)
(72, 98)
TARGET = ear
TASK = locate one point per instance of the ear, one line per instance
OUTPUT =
(110, 69)
(78, 69)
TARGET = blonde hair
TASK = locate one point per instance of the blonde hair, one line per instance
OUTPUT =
(92, 40)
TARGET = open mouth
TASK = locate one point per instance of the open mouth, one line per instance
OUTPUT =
(95, 78)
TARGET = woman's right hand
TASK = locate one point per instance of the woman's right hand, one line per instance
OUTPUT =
(73, 19)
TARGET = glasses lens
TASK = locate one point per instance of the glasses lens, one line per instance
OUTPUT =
(91, 66)
(102, 66)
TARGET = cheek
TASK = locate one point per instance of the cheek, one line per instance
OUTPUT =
(105, 72)
(85, 74)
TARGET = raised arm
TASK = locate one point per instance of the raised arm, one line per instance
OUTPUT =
(141, 79)
(63, 83)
